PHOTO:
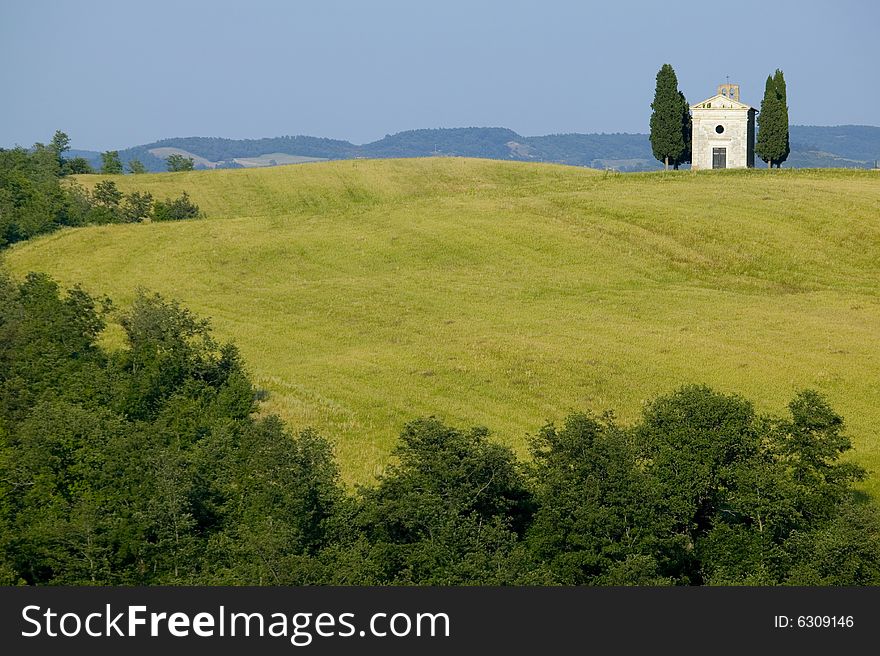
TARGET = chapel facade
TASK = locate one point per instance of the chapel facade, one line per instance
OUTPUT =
(723, 135)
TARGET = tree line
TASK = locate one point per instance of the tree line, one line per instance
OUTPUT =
(111, 162)
(671, 122)
(38, 197)
(148, 465)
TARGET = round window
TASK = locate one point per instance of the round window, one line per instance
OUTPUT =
(719, 129)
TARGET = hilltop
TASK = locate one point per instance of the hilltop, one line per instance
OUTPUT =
(504, 294)
(847, 146)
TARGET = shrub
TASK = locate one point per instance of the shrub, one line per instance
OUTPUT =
(137, 207)
(175, 209)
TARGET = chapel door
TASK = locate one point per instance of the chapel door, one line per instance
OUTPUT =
(719, 158)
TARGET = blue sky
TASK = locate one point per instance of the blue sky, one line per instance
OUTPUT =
(115, 74)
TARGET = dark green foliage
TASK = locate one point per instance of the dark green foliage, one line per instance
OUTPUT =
(110, 163)
(773, 133)
(845, 551)
(598, 519)
(33, 200)
(692, 443)
(176, 209)
(47, 346)
(146, 465)
(670, 120)
(692, 439)
(277, 496)
(809, 446)
(741, 489)
(136, 167)
(177, 162)
(60, 143)
(686, 130)
(137, 207)
(450, 512)
(98, 486)
(105, 206)
(107, 194)
(77, 165)
(168, 348)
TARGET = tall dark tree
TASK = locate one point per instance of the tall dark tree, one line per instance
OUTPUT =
(670, 120)
(110, 162)
(60, 144)
(687, 128)
(779, 82)
(773, 139)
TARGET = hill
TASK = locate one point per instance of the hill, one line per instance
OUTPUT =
(365, 293)
(847, 146)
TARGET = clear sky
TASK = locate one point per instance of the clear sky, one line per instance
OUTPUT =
(114, 74)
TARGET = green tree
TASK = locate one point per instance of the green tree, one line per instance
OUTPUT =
(91, 495)
(106, 204)
(809, 446)
(47, 345)
(598, 519)
(60, 144)
(106, 193)
(449, 512)
(277, 495)
(177, 162)
(687, 131)
(176, 209)
(137, 207)
(31, 194)
(670, 120)
(773, 137)
(846, 551)
(110, 163)
(779, 82)
(77, 165)
(135, 166)
(691, 442)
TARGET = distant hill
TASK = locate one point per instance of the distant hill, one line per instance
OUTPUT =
(834, 147)
(845, 146)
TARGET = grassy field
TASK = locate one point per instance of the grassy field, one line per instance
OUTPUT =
(365, 293)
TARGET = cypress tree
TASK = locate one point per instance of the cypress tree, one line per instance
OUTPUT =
(670, 120)
(773, 141)
(766, 122)
(779, 83)
(686, 128)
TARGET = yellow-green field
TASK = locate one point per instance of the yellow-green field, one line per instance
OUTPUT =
(365, 293)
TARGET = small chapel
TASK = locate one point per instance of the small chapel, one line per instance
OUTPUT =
(723, 134)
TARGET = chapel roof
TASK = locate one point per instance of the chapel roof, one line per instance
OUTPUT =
(720, 101)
